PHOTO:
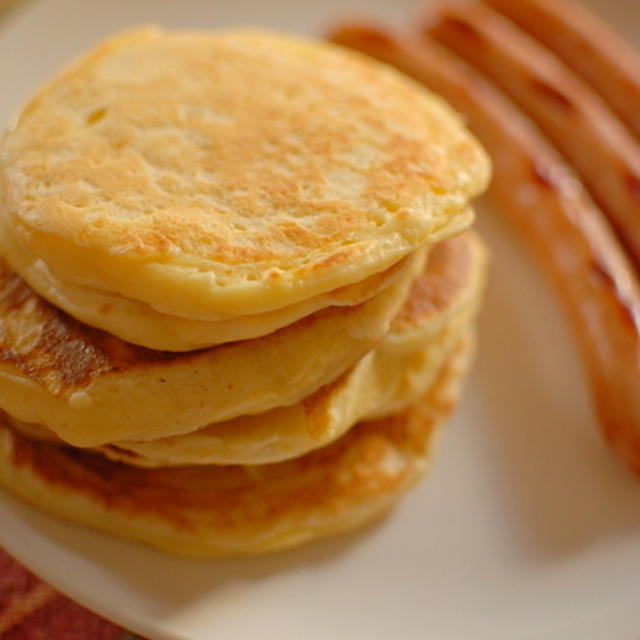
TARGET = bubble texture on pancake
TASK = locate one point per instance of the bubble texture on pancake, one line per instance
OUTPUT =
(91, 388)
(215, 175)
(231, 510)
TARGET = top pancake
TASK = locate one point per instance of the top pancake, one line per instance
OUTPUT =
(215, 175)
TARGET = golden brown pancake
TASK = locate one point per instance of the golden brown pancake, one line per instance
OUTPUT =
(442, 304)
(138, 323)
(272, 195)
(225, 174)
(91, 388)
(210, 511)
(51, 370)
(440, 308)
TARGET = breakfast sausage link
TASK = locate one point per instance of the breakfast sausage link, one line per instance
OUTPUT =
(570, 237)
(587, 45)
(576, 120)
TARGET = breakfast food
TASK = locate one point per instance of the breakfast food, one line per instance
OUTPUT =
(566, 109)
(238, 290)
(66, 375)
(153, 196)
(396, 372)
(210, 511)
(585, 44)
(541, 195)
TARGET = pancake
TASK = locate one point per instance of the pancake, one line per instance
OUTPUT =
(218, 175)
(442, 304)
(230, 510)
(377, 385)
(91, 388)
(440, 308)
(140, 324)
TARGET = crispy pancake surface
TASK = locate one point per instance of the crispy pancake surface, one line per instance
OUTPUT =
(91, 388)
(216, 175)
(209, 511)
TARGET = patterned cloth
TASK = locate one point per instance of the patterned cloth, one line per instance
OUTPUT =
(32, 610)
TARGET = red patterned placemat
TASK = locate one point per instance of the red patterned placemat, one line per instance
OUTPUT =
(32, 610)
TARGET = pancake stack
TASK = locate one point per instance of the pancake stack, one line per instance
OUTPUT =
(238, 288)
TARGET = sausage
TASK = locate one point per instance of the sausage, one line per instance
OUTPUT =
(574, 117)
(586, 45)
(540, 195)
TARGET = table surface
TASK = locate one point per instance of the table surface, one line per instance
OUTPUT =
(30, 608)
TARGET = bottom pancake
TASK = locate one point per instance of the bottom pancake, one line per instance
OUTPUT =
(232, 510)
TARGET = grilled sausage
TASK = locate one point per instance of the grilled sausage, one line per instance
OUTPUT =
(541, 196)
(574, 117)
(585, 44)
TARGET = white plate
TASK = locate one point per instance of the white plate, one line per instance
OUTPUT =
(526, 527)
